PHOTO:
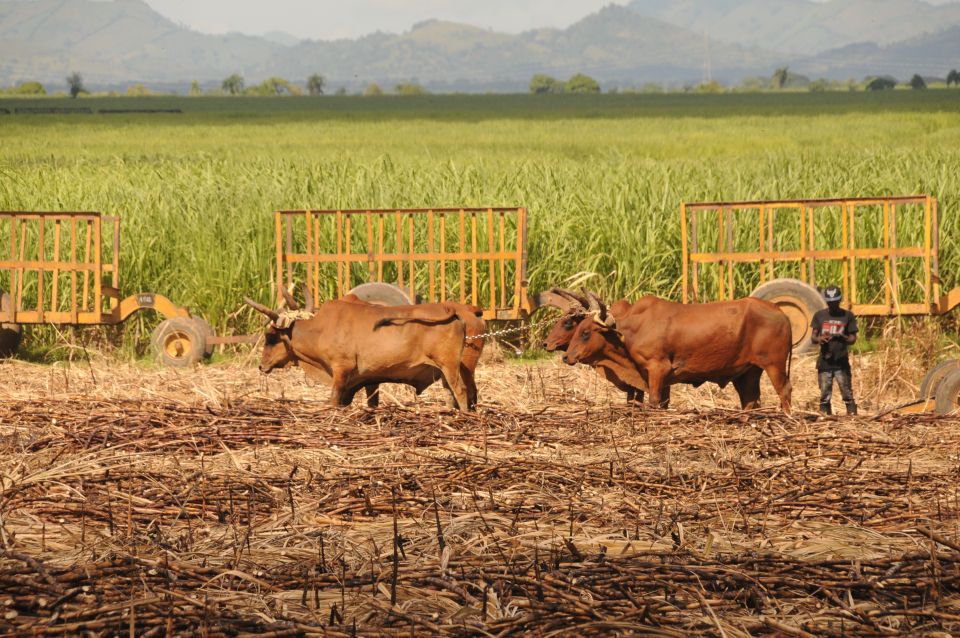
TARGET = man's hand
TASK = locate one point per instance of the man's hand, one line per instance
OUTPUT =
(824, 338)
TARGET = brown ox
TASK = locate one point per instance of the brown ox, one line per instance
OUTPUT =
(351, 345)
(671, 343)
(475, 329)
(575, 308)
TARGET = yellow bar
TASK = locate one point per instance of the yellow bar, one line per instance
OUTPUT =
(98, 277)
(503, 264)
(54, 297)
(340, 290)
(721, 244)
(380, 248)
(490, 270)
(887, 283)
(928, 212)
(473, 262)
(430, 273)
(684, 268)
(115, 266)
(370, 259)
(443, 257)
(845, 265)
(399, 258)
(851, 214)
(463, 280)
(318, 246)
(519, 283)
(86, 273)
(73, 271)
(308, 222)
(347, 242)
(278, 227)
(413, 292)
(41, 257)
(761, 228)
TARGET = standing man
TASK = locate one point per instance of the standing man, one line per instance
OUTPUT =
(835, 329)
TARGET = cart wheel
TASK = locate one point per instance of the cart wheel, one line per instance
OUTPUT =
(933, 378)
(207, 331)
(799, 301)
(179, 342)
(948, 394)
(10, 333)
(381, 294)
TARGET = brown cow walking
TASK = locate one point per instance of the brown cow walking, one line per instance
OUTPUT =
(679, 343)
(350, 346)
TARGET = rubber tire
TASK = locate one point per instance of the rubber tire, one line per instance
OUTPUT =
(10, 333)
(185, 328)
(799, 301)
(948, 394)
(381, 294)
(936, 375)
(207, 331)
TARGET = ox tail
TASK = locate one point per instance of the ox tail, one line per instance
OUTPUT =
(430, 321)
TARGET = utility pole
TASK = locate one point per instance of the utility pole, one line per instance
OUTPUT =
(707, 70)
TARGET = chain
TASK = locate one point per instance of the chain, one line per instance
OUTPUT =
(514, 330)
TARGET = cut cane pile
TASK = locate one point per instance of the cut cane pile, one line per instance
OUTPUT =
(284, 517)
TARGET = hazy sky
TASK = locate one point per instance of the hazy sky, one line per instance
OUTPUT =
(326, 19)
(331, 19)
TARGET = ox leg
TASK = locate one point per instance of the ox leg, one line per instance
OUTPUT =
(341, 394)
(451, 377)
(470, 382)
(781, 383)
(748, 388)
(373, 395)
(658, 388)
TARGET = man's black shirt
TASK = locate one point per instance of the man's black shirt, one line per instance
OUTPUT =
(833, 354)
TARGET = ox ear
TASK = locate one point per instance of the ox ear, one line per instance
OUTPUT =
(307, 299)
(291, 302)
(272, 314)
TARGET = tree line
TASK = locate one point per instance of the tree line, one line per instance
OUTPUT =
(781, 79)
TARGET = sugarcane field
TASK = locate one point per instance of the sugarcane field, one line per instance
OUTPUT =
(464, 364)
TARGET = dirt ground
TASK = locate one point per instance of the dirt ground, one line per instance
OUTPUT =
(218, 501)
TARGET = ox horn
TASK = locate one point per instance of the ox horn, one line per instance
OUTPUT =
(272, 314)
(572, 296)
(291, 302)
(307, 299)
(597, 306)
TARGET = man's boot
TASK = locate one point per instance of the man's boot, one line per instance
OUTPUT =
(851, 409)
(826, 409)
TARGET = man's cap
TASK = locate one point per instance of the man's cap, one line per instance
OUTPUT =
(832, 293)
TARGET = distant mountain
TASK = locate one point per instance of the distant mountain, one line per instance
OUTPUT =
(612, 44)
(113, 44)
(929, 55)
(281, 38)
(109, 42)
(800, 26)
(126, 41)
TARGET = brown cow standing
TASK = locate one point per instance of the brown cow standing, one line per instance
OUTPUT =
(624, 377)
(672, 343)
(352, 345)
(476, 328)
